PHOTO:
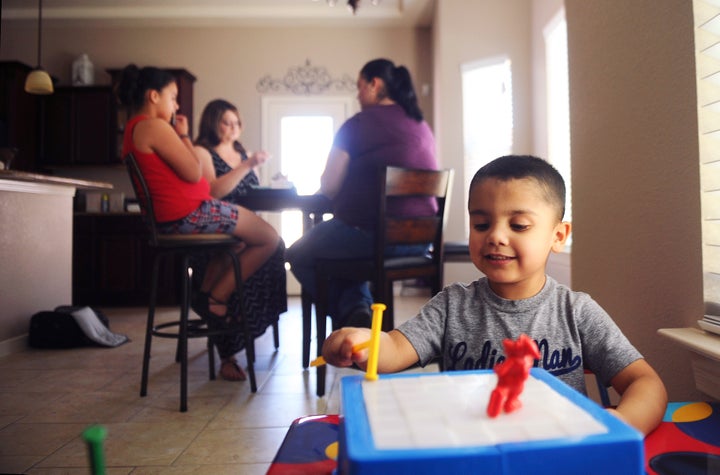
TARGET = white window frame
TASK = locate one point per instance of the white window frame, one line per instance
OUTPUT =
(707, 60)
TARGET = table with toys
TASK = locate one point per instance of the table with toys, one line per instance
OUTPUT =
(502, 421)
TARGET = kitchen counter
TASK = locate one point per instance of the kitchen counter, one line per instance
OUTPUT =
(36, 212)
(28, 177)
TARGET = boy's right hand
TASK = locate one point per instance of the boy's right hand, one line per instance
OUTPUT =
(337, 349)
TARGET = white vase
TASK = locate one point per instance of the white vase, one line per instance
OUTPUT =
(83, 71)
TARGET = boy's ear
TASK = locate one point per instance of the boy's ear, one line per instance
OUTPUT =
(561, 234)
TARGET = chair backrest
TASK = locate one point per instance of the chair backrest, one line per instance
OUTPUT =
(397, 182)
(142, 193)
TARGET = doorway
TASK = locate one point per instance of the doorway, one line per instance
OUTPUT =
(298, 133)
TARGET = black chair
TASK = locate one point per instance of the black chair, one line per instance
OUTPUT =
(456, 251)
(602, 390)
(380, 270)
(185, 246)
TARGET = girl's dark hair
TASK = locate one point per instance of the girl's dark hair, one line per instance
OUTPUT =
(210, 122)
(518, 167)
(398, 84)
(135, 82)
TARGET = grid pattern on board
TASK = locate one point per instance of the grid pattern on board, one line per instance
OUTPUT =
(441, 411)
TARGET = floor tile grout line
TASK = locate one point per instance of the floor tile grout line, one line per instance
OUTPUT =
(278, 369)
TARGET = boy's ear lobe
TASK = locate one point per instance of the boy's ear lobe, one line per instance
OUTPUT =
(562, 232)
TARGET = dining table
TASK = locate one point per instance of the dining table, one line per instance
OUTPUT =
(687, 442)
(313, 207)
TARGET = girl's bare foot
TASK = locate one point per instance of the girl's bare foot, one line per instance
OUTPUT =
(231, 371)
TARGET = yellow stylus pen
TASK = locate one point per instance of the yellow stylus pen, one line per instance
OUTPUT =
(371, 373)
(373, 343)
(319, 361)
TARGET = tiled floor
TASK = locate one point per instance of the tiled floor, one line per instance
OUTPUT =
(48, 397)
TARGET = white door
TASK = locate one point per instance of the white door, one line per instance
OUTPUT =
(298, 133)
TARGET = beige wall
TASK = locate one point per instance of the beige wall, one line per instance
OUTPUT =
(634, 145)
(636, 205)
(634, 140)
(471, 31)
(227, 61)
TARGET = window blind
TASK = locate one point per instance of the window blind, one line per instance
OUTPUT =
(707, 60)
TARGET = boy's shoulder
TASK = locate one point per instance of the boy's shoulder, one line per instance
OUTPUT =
(464, 287)
(481, 288)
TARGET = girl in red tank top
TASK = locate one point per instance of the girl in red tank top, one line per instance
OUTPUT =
(181, 195)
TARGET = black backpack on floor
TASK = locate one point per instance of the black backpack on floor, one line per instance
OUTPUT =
(58, 329)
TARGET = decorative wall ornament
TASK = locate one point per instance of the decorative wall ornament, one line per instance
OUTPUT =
(307, 80)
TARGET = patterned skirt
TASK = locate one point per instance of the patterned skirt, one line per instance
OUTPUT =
(264, 299)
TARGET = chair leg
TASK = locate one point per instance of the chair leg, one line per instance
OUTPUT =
(321, 323)
(249, 340)
(388, 321)
(436, 286)
(177, 351)
(211, 358)
(276, 334)
(604, 395)
(183, 336)
(306, 303)
(150, 326)
(383, 293)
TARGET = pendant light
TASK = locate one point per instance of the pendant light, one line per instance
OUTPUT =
(39, 81)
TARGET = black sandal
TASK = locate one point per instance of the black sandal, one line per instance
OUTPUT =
(201, 305)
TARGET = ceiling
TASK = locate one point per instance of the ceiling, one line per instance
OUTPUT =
(409, 13)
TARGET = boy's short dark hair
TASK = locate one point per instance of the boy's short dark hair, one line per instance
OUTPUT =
(518, 167)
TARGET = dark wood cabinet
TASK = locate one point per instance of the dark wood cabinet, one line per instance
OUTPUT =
(80, 125)
(85, 125)
(74, 125)
(18, 115)
(112, 262)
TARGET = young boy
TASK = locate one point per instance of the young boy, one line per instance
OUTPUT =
(516, 208)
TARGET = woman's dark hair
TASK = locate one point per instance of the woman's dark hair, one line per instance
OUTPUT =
(210, 123)
(135, 82)
(398, 84)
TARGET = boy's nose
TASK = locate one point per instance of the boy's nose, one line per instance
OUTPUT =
(497, 236)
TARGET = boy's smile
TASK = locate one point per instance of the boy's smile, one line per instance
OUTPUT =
(513, 229)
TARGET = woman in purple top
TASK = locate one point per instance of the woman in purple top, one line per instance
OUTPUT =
(388, 131)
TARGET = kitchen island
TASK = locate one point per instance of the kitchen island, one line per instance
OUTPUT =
(36, 215)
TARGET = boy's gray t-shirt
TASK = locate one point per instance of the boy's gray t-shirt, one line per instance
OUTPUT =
(465, 324)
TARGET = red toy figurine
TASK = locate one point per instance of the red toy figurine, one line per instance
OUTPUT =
(512, 373)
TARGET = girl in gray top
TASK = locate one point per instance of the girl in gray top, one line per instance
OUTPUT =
(516, 207)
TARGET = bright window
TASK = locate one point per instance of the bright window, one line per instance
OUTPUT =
(487, 115)
(304, 146)
(305, 142)
(707, 59)
(298, 133)
(558, 103)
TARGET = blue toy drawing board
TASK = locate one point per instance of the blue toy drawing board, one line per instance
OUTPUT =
(436, 423)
